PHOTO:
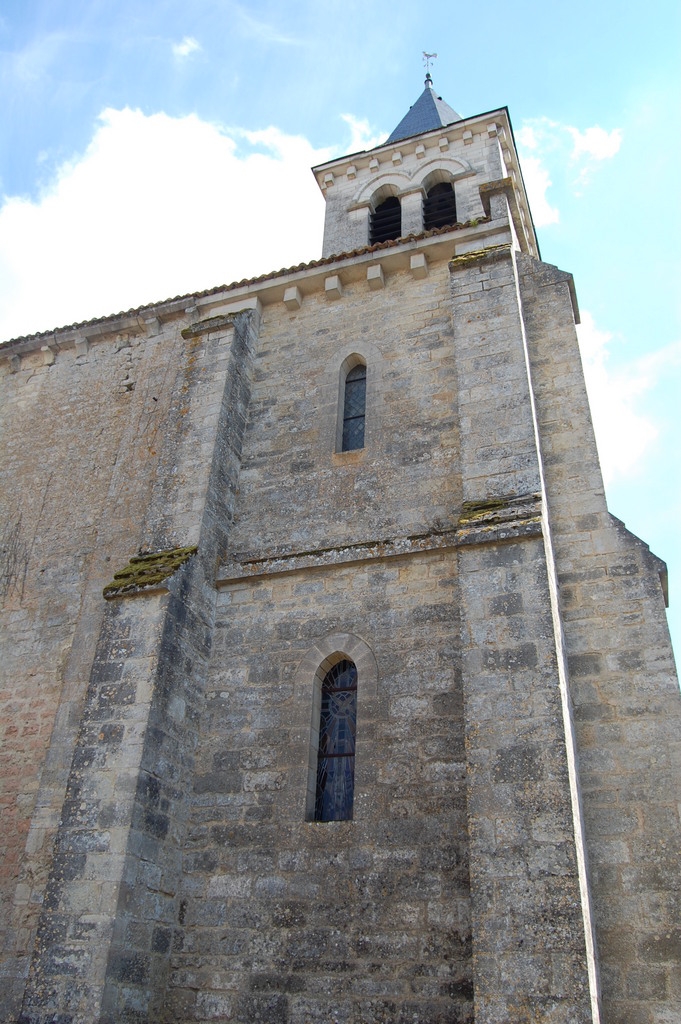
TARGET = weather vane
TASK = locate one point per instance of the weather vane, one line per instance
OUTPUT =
(428, 58)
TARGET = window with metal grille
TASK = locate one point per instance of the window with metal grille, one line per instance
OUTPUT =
(336, 754)
(439, 206)
(354, 408)
(386, 221)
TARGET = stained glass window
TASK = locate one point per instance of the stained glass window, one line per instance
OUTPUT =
(354, 407)
(336, 755)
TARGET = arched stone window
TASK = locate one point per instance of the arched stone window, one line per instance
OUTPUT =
(354, 664)
(439, 206)
(385, 222)
(336, 751)
(354, 408)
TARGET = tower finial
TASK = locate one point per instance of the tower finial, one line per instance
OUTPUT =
(428, 58)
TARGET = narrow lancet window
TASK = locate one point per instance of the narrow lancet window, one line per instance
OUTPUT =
(354, 408)
(386, 221)
(336, 754)
(439, 206)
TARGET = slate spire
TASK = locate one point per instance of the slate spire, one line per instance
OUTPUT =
(430, 111)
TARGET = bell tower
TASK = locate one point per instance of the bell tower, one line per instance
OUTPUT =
(437, 172)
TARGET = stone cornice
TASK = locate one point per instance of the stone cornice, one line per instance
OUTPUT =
(452, 132)
(490, 521)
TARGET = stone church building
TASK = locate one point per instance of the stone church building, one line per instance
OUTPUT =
(332, 692)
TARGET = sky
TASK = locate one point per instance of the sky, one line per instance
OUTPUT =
(154, 148)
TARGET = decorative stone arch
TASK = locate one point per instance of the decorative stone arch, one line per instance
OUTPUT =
(345, 645)
(437, 176)
(378, 188)
(314, 666)
(441, 168)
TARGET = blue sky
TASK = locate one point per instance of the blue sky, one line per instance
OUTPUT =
(152, 148)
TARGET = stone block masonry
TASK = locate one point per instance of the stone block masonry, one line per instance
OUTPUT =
(76, 492)
(622, 677)
(110, 904)
(368, 919)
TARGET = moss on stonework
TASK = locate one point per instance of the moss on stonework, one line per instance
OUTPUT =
(520, 506)
(478, 254)
(471, 510)
(148, 570)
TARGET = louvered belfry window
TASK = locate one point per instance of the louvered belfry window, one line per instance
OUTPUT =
(439, 206)
(354, 408)
(336, 754)
(386, 221)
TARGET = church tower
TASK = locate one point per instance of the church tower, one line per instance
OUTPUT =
(361, 707)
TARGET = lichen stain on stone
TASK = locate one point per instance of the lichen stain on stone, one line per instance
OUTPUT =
(472, 510)
(148, 570)
(476, 255)
(492, 511)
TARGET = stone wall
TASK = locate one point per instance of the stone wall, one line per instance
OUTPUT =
(87, 426)
(292, 920)
(82, 427)
(312, 558)
(286, 919)
(623, 682)
(296, 492)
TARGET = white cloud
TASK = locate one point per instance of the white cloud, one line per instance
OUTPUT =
(537, 182)
(547, 148)
(588, 149)
(262, 30)
(362, 136)
(188, 46)
(35, 60)
(595, 142)
(527, 137)
(624, 432)
(156, 206)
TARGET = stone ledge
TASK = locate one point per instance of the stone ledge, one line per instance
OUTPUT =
(491, 521)
(511, 515)
(147, 572)
(491, 252)
(495, 510)
(210, 325)
(496, 533)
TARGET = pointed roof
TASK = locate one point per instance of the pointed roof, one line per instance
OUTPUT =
(429, 112)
